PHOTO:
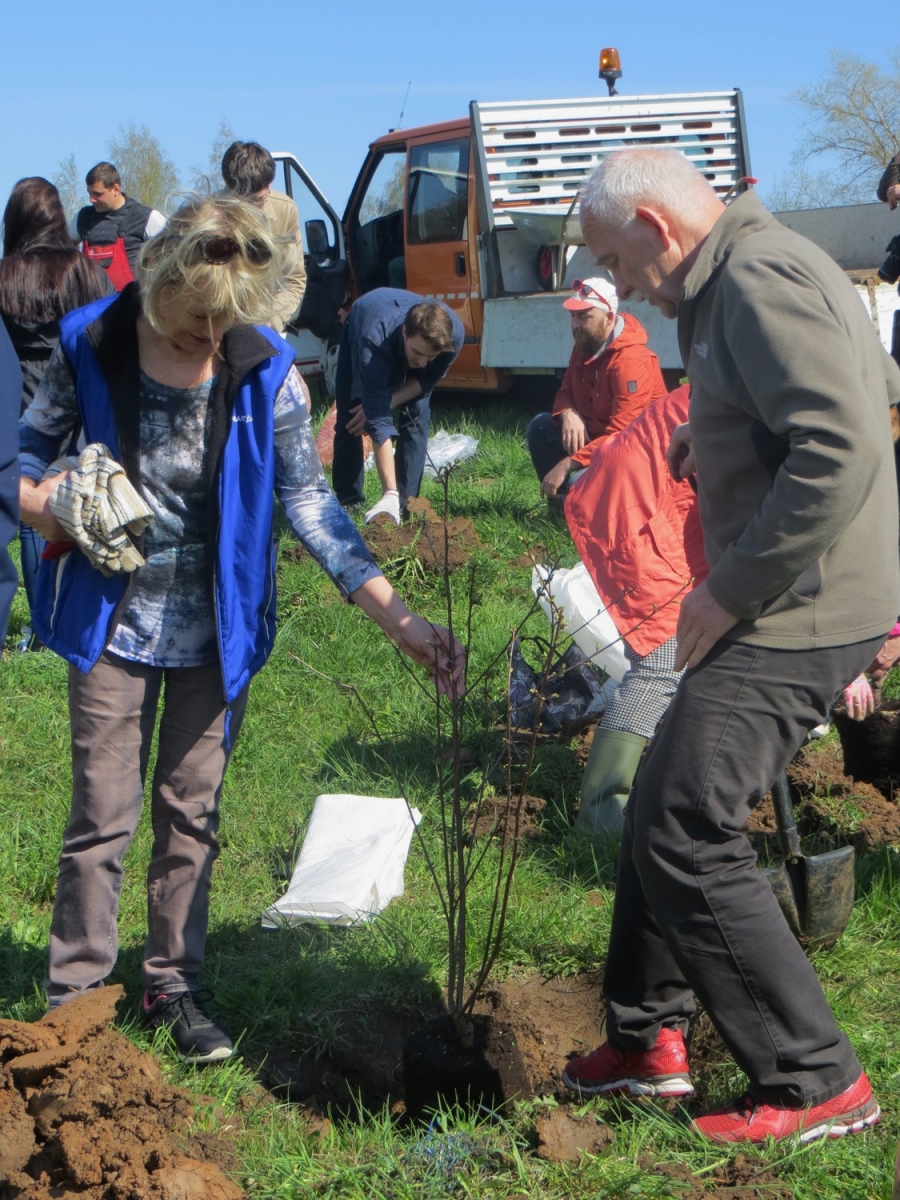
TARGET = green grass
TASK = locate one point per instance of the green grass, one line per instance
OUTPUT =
(303, 736)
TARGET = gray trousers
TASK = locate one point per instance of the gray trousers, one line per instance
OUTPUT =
(693, 916)
(112, 711)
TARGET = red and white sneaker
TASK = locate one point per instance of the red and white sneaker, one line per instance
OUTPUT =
(662, 1071)
(750, 1120)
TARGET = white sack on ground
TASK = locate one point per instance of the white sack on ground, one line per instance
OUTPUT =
(584, 615)
(351, 864)
(446, 450)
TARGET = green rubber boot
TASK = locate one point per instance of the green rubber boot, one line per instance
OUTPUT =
(606, 783)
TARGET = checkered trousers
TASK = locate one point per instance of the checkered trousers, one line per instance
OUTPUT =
(644, 694)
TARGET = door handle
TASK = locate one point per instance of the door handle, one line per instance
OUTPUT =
(461, 263)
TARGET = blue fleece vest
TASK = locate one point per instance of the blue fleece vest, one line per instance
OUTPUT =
(77, 604)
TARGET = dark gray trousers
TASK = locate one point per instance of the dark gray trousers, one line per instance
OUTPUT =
(693, 916)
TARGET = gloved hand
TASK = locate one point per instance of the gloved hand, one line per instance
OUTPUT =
(98, 508)
(859, 698)
(389, 504)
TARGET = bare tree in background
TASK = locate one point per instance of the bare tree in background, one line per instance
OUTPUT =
(71, 186)
(147, 174)
(210, 176)
(852, 120)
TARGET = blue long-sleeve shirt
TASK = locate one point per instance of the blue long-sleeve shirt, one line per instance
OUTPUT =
(374, 339)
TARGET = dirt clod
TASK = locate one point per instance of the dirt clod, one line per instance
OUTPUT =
(497, 817)
(563, 1137)
(85, 1113)
(552, 1018)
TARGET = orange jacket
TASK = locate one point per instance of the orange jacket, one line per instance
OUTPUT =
(637, 529)
(610, 390)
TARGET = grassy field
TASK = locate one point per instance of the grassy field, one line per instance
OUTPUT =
(304, 736)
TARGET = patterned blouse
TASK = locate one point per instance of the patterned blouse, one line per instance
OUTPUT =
(168, 617)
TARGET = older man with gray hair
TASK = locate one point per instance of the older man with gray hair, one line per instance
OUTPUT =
(789, 436)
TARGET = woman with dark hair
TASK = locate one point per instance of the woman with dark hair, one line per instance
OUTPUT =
(43, 276)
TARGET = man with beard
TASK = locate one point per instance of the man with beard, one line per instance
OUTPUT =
(612, 376)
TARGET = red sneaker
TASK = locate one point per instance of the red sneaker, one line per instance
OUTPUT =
(750, 1120)
(662, 1071)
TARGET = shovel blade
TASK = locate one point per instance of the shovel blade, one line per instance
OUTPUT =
(827, 884)
(780, 883)
(816, 894)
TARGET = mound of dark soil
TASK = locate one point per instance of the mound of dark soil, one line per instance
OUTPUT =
(497, 818)
(872, 747)
(835, 808)
(554, 1019)
(550, 1019)
(84, 1113)
(439, 1069)
(425, 537)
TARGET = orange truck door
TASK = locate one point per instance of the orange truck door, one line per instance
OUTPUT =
(439, 262)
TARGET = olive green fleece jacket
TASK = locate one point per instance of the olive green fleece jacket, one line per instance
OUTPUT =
(789, 415)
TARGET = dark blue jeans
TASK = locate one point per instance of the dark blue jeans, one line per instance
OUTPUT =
(413, 421)
(693, 915)
(545, 446)
(31, 546)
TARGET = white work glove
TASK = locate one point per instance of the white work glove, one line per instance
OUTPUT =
(388, 504)
(98, 508)
(859, 698)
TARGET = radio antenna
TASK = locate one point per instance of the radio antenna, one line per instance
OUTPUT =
(403, 109)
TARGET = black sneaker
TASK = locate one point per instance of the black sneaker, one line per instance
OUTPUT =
(197, 1037)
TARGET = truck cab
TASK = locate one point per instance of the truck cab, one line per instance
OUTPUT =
(412, 222)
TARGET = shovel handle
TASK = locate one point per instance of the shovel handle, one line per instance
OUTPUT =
(788, 836)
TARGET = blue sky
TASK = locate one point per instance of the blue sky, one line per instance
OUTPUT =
(323, 80)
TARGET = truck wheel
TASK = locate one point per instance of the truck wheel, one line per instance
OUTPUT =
(547, 259)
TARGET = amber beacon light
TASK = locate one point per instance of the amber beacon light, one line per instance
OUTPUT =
(610, 68)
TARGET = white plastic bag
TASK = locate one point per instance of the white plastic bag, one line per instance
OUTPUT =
(584, 615)
(446, 449)
(351, 864)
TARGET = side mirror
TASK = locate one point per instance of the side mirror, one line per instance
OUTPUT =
(316, 237)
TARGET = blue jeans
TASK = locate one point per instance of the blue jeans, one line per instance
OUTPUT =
(31, 545)
(545, 446)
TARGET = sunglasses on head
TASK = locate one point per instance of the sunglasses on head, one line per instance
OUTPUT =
(586, 291)
(218, 249)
